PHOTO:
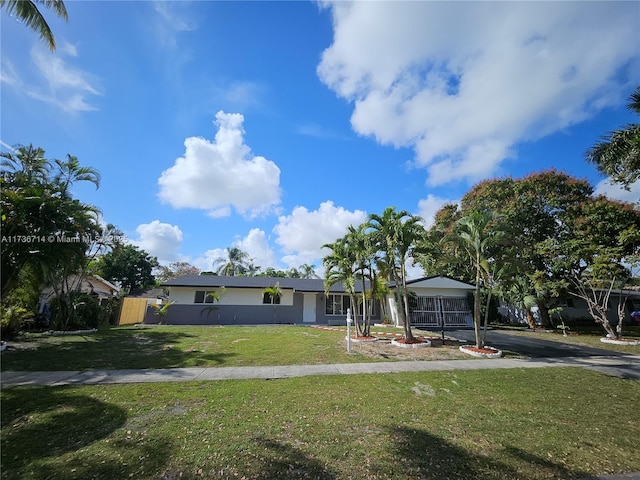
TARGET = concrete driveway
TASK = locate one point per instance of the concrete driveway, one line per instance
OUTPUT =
(536, 347)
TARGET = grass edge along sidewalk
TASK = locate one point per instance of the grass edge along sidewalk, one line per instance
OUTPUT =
(621, 366)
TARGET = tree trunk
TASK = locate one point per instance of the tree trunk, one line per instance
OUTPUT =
(486, 318)
(531, 321)
(407, 320)
(365, 324)
(545, 318)
(354, 312)
(476, 307)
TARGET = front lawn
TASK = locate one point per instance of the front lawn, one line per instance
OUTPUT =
(171, 347)
(526, 424)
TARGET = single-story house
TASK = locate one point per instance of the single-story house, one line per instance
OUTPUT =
(226, 300)
(91, 284)
(576, 309)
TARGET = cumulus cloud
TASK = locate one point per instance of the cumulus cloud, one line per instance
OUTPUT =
(205, 261)
(159, 239)
(463, 84)
(215, 176)
(302, 234)
(428, 207)
(256, 244)
(617, 192)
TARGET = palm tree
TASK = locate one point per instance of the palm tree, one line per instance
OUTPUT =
(473, 235)
(27, 11)
(70, 171)
(26, 164)
(215, 296)
(618, 153)
(395, 233)
(161, 310)
(360, 244)
(236, 262)
(339, 266)
(307, 271)
(275, 293)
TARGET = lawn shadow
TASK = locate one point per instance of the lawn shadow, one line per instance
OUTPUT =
(50, 432)
(111, 349)
(419, 454)
(282, 461)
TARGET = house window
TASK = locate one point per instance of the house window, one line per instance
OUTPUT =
(203, 296)
(337, 304)
(270, 300)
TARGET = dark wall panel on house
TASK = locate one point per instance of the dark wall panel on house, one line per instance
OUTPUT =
(228, 315)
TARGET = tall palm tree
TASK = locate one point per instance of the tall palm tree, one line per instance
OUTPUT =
(395, 234)
(618, 153)
(359, 243)
(27, 12)
(339, 266)
(474, 237)
(236, 262)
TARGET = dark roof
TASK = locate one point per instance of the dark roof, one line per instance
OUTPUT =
(219, 281)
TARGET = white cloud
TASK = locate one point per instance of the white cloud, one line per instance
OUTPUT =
(8, 73)
(161, 240)
(463, 83)
(65, 86)
(205, 262)
(302, 234)
(616, 192)
(428, 207)
(170, 20)
(218, 175)
(256, 244)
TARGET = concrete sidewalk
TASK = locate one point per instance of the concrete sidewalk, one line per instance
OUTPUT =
(625, 366)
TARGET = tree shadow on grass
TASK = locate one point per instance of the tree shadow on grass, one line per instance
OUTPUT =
(419, 454)
(53, 432)
(282, 461)
(111, 349)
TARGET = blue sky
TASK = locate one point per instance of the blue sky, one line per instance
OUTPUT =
(272, 126)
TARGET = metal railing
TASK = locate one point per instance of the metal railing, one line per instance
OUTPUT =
(430, 311)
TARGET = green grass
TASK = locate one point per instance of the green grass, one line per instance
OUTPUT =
(171, 347)
(503, 424)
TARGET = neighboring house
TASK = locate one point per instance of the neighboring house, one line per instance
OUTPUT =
(437, 299)
(574, 308)
(91, 284)
(303, 301)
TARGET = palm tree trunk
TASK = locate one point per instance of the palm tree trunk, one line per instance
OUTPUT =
(486, 318)
(407, 320)
(476, 307)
